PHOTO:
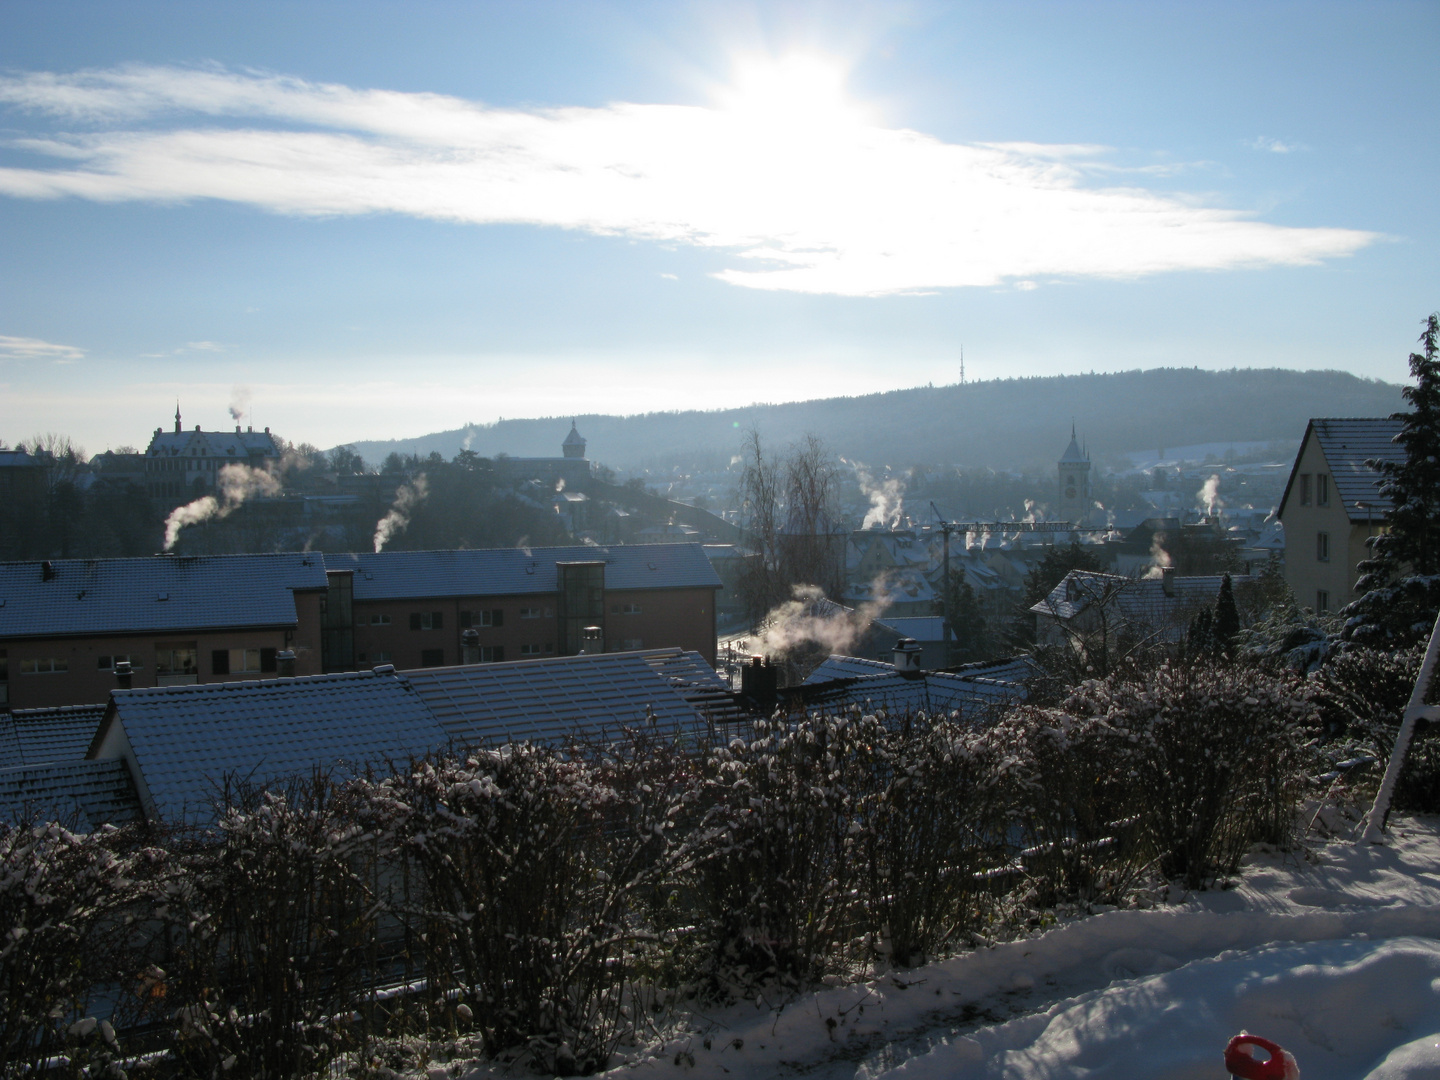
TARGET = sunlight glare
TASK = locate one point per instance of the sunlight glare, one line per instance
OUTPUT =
(783, 91)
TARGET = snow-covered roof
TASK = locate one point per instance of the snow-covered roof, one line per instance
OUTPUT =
(919, 627)
(87, 793)
(41, 736)
(400, 575)
(594, 697)
(1348, 443)
(188, 740)
(241, 445)
(1141, 604)
(158, 593)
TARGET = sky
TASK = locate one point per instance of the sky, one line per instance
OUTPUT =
(376, 220)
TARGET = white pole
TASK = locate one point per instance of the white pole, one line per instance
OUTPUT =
(1374, 823)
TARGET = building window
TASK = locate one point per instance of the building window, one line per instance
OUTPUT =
(427, 620)
(241, 661)
(1322, 547)
(1322, 489)
(530, 650)
(630, 643)
(174, 660)
(624, 609)
(530, 613)
(49, 665)
(1304, 489)
(379, 620)
(1322, 601)
(379, 656)
(107, 663)
(432, 658)
(492, 654)
(488, 617)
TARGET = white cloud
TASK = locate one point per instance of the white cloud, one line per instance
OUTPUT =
(204, 346)
(1274, 146)
(805, 191)
(23, 348)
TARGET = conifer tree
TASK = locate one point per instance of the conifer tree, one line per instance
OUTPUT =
(1400, 582)
(1227, 618)
(1412, 486)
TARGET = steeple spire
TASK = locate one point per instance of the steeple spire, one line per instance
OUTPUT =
(177, 416)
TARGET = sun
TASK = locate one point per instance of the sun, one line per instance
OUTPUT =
(799, 87)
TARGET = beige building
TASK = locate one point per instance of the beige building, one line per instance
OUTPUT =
(1332, 504)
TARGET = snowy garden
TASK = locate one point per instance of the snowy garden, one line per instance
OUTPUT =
(1136, 868)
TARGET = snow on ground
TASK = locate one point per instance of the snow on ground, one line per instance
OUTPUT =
(1334, 953)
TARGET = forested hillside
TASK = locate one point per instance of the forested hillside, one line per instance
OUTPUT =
(1005, 423)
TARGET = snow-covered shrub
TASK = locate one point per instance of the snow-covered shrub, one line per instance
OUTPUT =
(779, 854)
(269, 919)
(1072, 779)
(1218, 753)
(933, 819)
(537, 865)
(67, 905)
(1362, 694)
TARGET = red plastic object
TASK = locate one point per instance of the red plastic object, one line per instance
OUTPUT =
(1238, 1061)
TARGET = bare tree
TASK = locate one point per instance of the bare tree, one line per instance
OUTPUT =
(791, 520)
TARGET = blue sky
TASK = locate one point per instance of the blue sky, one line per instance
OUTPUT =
(360, 220)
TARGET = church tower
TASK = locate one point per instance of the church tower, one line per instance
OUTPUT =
(1074, 469)
(574, 444)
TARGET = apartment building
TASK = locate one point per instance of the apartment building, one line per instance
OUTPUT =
(67, 627)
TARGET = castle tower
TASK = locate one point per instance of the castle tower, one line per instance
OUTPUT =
(1074, 475)
(574, 444)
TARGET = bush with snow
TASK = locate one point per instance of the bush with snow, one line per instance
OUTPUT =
(67, 905)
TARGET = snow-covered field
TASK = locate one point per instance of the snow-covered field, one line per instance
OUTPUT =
(1334, 953)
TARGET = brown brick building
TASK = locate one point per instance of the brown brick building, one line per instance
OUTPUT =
(200, 619)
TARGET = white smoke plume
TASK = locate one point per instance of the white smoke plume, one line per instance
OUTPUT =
(560, 485)
(1031, 514)
(1209, 495)
(469, 439)
(407, 498)
(236, 484)
(239, 402)
(809, 619)
(887, 497)
(1159, 559)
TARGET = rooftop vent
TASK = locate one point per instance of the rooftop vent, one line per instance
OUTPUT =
(384, 669)
(47, 571)
(285, 663)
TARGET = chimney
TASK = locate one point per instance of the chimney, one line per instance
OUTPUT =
(470, 647)
(237, 429)
(758, 684)
(47, 571)
(124, 675)
(1167, 580)
(285, 663)
(591, 641)
(907, 656)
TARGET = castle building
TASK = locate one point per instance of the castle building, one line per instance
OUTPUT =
(568, 471)
(183, 464)
(1074, 481)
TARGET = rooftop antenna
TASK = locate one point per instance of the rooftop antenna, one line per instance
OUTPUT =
(962, 365)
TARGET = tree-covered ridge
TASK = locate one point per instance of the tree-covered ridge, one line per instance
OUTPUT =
(1004, 423)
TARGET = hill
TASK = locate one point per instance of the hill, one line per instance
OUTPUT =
(1003, 423)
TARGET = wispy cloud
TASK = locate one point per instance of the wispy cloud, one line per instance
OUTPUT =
(811, 198)
(24, 348)
(1275, 146)
(204, 346)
